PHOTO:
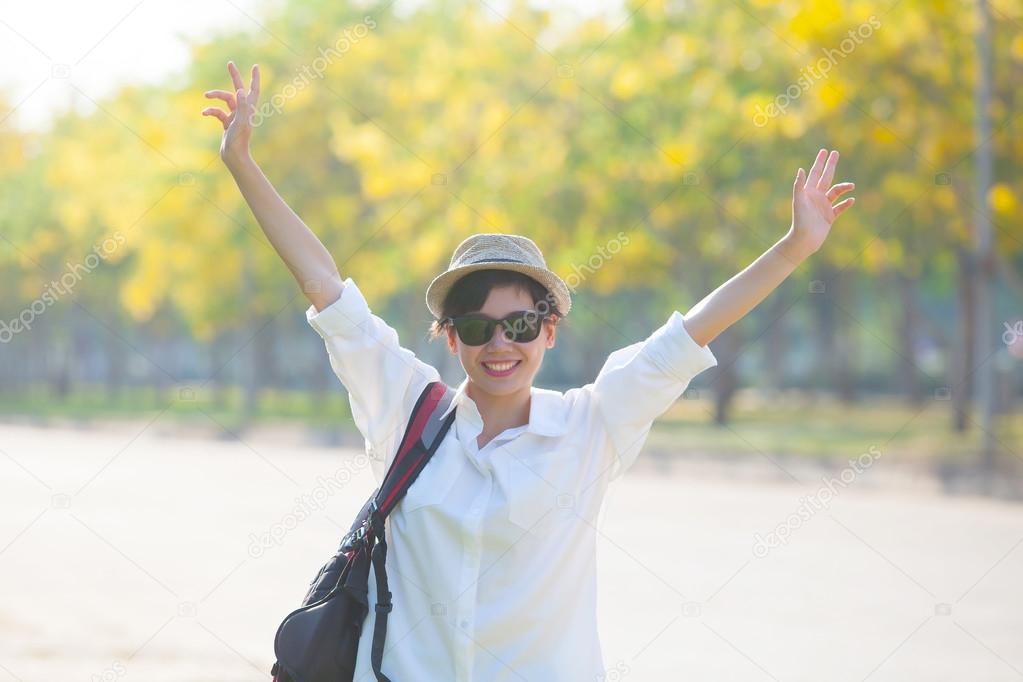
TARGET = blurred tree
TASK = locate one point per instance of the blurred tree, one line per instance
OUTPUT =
(645, 159)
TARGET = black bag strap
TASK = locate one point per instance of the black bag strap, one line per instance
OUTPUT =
(383, 607)
(423, 435)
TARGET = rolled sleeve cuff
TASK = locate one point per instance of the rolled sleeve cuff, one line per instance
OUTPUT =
(344, 317)
(677, 353)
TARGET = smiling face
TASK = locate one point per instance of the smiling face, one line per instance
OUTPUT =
(477, 360)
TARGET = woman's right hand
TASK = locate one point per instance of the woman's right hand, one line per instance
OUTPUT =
(237, 123)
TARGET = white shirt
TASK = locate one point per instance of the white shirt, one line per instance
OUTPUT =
(491, 554)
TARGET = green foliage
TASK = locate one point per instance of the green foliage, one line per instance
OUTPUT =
(429, 126)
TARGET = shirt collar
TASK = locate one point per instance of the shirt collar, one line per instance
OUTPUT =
(547, 414)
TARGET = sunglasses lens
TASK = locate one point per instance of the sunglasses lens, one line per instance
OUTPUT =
(474, 332)
(520, 327)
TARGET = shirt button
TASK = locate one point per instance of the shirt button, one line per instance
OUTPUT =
(464, 624)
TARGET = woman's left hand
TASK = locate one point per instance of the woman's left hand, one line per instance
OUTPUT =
(812, 212)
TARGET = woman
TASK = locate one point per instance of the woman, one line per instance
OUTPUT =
(492, 553)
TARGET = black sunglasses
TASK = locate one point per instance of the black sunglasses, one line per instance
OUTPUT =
(477, 329)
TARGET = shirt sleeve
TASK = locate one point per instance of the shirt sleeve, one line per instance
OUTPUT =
(383, 379)
(640, 382)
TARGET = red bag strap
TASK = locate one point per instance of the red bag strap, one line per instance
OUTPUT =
(414, 452)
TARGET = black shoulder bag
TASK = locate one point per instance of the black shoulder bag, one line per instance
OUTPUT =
(318, 642)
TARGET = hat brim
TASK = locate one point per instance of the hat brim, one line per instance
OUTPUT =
(441, 284)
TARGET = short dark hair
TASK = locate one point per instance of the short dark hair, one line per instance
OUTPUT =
(470, 293)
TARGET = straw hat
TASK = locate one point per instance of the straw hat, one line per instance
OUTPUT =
(494, 251)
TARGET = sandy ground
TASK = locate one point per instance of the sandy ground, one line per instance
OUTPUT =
(126, 554)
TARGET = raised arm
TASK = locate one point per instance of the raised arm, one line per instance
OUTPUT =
(304, 254)
(812, 217)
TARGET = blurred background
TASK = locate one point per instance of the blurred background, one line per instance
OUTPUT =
(164, 404)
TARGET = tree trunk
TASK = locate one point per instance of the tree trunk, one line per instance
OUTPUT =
(263, 342)
(726, 383)
(844, 339)
(906, 321)
(59, 357)
(162, 353)
(249, 370)
(821, 291)
(959, 384)
(115, 374)
(775, 343)
(984, 238)
(218, 351)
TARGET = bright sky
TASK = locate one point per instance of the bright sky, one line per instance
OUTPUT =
(50, 47)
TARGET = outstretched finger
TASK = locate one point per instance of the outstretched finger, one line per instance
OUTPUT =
(816, 169)
(219, 113)
(236, 77)
(254, 89)
(843, 205)
(829, 169)
(840, 189)
(224, 95)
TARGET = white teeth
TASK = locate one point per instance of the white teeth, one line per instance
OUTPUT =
(499, 366)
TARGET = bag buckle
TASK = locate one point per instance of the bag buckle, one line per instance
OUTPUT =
(360, 536)
(355, 539)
